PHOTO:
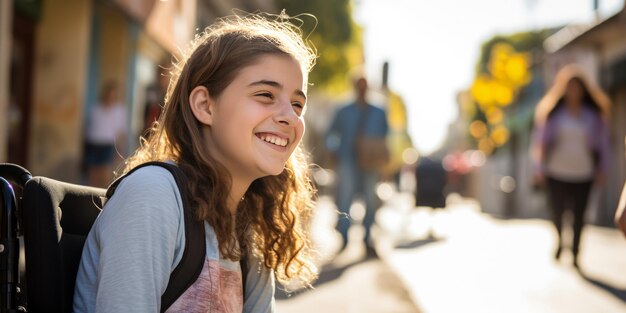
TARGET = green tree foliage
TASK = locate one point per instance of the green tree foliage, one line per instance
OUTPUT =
(335, 36)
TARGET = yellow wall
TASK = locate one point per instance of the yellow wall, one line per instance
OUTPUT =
(60, 76)
(172, 24)
(114, 48)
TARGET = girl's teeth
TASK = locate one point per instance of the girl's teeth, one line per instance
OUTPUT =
(275, 140)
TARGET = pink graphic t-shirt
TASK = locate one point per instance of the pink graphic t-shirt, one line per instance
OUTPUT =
(218, 289)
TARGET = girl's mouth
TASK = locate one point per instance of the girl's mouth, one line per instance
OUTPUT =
(273, 139)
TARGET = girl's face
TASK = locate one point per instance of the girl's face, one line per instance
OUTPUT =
(111, 96)
(257, 121)
(574, 91)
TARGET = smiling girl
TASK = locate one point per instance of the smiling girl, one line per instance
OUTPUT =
(232, 122)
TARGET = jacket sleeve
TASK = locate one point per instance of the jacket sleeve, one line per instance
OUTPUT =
(601, 139)
(259, 289)
(537, 149)
(542, 140)
(137, 233)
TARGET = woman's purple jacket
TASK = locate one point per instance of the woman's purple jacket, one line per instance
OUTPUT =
(597, 137)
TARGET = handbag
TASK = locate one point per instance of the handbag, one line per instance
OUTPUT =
(372, 153)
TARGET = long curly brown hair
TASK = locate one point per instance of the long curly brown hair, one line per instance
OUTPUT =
(271, 219)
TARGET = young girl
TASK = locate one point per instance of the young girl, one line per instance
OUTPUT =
(232, 122)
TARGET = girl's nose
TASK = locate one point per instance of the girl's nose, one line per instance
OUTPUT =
(286, 114)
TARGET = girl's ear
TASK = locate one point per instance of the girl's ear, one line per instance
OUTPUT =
(201, 105)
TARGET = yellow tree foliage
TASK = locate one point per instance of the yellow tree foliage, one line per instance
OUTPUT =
(398, 139)
(507, 72)
(396, 111)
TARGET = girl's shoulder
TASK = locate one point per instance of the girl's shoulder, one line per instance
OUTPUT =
(593, 117)
(149, 190)
(555, 115)
(146, 201)
(591, 112)
(149, 179)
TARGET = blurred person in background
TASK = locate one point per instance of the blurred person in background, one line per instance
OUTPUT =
(106, 133)
(571, 148)
(351, 121)
(155, 93)
(152, 107)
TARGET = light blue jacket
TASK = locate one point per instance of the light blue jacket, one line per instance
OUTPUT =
(137, 241)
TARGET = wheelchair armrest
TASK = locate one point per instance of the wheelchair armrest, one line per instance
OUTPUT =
(15, 173)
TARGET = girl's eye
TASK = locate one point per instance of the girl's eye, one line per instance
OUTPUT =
(298, 107)
(267, 95)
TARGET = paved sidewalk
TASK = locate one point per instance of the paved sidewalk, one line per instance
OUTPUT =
(349, 282)
(366, 287)
(473, 263)
(476, 263)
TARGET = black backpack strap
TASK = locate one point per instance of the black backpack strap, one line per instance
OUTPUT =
(194, 255)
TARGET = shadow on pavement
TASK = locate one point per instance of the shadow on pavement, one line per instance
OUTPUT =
(618, 293)
(366, 285)
(419, 243)
(328, 273)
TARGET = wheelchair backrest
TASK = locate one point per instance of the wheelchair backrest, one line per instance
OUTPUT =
(56, 218)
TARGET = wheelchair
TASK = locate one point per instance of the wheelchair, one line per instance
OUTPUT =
(43, 227)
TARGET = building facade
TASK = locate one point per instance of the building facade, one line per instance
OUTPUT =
(55, 56)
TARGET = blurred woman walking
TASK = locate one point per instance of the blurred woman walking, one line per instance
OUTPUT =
(571, 147)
